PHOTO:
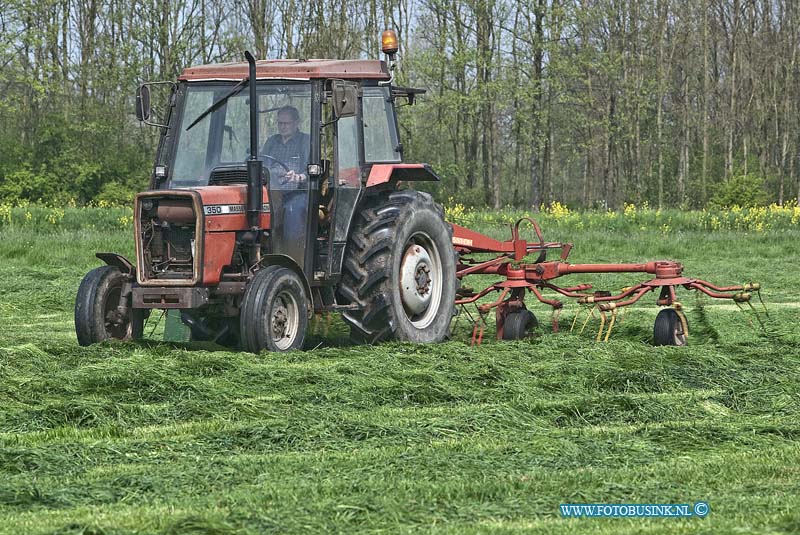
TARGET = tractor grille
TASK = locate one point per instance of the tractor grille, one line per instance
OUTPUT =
(167, 245)
(233, 174)
(222, 176)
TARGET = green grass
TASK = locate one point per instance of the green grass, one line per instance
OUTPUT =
(170, 438)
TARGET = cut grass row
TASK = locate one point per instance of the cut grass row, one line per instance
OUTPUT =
(171, 438)
(395, 438)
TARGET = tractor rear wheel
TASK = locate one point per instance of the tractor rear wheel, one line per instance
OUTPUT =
(669, 329)
(274, 314)
(97, 317)
(519, 324)
(400, 267)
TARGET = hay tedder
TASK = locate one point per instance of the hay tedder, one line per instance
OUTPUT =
(247, 241)
(514, 321)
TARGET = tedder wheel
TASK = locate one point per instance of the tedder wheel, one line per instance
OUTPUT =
(274, 313)
(96, 315)
(400, 267)
(668, 329)
(519, 324)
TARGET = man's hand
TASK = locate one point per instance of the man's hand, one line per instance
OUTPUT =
(291, 176)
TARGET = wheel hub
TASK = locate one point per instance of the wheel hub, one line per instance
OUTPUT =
(117, 324)
(415, 279)
(423, 279)
(284, 320)
(114, 318)
(279, 320)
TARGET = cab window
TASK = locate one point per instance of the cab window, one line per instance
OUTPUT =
(347, 151)
(380, 132)
(222, 138)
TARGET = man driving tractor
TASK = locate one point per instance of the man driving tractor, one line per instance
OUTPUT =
(289, 147)
(286, 155)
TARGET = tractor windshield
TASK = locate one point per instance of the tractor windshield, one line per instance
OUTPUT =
(222, 138)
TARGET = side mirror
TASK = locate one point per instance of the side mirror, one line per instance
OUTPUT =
(345, 98)
(143, 103)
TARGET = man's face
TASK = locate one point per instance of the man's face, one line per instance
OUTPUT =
(286, 125)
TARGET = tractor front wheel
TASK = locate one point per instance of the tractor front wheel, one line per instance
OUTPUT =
(274, 314)
(400, 268)
(97, 308)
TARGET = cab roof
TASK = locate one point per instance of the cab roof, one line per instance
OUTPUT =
(291, 68)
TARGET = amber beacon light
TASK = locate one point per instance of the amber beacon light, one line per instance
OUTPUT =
(389, 43)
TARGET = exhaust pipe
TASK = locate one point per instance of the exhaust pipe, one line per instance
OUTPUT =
(254, 164)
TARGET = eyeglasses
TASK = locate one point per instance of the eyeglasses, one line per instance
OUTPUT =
(285, 123)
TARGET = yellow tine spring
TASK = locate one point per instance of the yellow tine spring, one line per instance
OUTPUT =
(678, 306)
(766, 312)
(588, 317)
(755, 313)
(602, 326)
(611, 325)
(575, 319)
(684, 323)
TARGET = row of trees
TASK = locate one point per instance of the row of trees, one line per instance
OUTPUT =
(590, 102)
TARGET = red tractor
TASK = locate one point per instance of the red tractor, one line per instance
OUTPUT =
(248, 241)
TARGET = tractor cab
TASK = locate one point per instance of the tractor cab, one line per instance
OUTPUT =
(322, 126)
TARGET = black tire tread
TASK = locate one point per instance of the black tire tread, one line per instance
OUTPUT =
(367, 264)
(664, 327)
(253, 339)
(90, 328)
(252, 296)
(517, 324)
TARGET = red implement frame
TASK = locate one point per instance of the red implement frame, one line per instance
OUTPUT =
(519, 276)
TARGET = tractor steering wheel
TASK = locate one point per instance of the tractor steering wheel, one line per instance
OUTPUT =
(277, 161)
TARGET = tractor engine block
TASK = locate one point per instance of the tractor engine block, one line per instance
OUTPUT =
(167, 240)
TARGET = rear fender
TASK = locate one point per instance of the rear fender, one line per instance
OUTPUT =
(395, 172)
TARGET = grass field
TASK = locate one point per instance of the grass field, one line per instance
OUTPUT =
(168, 438)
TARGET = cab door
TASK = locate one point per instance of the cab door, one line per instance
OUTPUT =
(346, 182)
(292, 224)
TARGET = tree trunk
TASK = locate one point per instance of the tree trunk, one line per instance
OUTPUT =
(683, 166)
(705, 118)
